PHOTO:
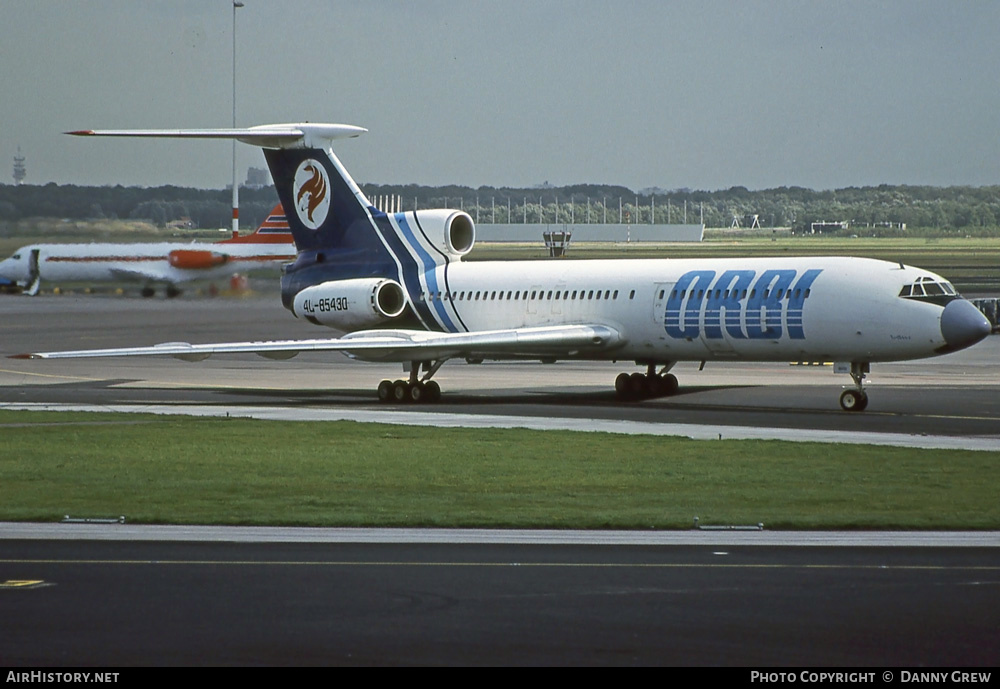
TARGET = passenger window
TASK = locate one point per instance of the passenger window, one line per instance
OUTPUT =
(631, 295)
(615, 295)
(590, 295)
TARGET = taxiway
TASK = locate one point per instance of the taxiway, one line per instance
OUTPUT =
(949, 401)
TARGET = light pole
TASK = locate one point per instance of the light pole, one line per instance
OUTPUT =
(236, 187)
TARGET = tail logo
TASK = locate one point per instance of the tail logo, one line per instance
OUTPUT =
(312, 193)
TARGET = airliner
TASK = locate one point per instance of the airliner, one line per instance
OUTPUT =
(397, 285)
(161, 263)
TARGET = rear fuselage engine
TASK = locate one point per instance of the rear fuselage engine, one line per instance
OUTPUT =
(351, 304)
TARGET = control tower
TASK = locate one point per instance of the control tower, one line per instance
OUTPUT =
(20, 172)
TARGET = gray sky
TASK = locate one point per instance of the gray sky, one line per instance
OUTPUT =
(701, 94)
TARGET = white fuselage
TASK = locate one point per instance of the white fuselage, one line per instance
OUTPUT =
(697, 309)
(142, 262)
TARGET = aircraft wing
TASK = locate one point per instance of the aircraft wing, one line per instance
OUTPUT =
(138, 275)
(390, 345)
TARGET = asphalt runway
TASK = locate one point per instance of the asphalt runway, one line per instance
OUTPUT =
(953, 399)
(121, 603)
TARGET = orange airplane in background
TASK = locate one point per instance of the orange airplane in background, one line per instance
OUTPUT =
(151, 264)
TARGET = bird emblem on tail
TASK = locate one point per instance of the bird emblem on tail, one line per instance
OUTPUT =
(311, 193)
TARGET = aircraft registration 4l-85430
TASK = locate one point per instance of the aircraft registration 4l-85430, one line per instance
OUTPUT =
(397, 285)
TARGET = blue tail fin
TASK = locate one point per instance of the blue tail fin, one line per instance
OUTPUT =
(325, 208)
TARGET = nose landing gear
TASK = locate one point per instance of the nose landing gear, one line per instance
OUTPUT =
(856, 399)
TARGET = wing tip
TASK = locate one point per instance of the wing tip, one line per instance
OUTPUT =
(81, 132)
(24, 356)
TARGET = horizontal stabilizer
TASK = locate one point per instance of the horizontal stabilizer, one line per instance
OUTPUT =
(301, 135)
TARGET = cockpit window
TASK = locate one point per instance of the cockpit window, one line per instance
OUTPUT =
(929, 289)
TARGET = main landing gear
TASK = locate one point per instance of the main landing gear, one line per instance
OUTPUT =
(637, 386)
(171, 291)
(856, 399)
(416, 390)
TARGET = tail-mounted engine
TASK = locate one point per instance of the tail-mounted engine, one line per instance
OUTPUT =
(351, 304)
(452, 231)
(196, 259)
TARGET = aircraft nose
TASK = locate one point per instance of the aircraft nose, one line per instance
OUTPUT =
(963, 325)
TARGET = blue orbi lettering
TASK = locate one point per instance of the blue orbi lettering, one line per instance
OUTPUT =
(764, 305)
(690, 289)
(797, 302)
(738, 304)
(727, 293)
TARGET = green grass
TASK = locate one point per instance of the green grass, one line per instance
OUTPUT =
(155, 469)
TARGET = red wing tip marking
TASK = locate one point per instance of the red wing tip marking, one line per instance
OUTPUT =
(82, 132)
(24, 356)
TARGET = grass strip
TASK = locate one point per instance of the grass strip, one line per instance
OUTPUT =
(179, 470)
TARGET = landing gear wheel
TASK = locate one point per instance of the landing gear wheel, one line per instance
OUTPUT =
(400, 391)
(147, 292)
(385, 391)
(670, 384)
(418, 393)
(638, 385)
(622, 386)
(853, 400)
(432, 392)
(172, 292)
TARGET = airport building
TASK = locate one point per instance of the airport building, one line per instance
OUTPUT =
(592, 232)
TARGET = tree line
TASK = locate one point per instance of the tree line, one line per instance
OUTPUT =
(883, 208)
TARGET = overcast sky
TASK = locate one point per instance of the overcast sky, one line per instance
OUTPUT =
(700, 94)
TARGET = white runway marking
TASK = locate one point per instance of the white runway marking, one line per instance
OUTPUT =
(272, 534)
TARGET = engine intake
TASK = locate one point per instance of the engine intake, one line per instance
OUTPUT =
(454, 232)
(351, 304)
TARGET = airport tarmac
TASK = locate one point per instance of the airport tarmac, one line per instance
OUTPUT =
(127, 595)
(943, 402)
